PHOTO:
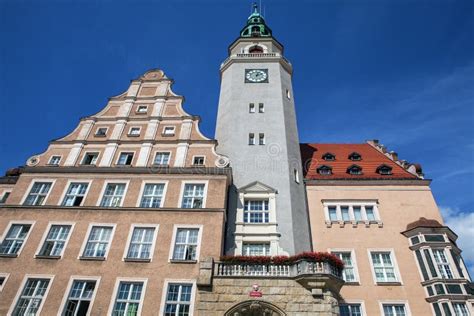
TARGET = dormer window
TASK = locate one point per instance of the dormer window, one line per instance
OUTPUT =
(354, 170)
(384, 170)
(324, 170)
(329, 157)
(355, 156)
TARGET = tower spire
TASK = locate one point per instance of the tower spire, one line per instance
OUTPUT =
(256, 26)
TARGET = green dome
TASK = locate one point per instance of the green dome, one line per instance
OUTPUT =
(256, 26)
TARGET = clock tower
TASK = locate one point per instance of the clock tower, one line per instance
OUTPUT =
(256, 129)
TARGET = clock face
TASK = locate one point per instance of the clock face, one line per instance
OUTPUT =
(256, 75)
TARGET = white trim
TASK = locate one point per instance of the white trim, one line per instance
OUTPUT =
(156, 227)
(165, 292)
(142, 188)
(46, 232)
(139, 106)
(164, 129)
(51, 157)
(353, 259)
(129, 134)
(203, 163)
(86, 152)
(68, 184)
(360, 302)
(99, 127)
(30, 186)
(173, 239)
(117, 181)
(6, 276)
(161, 151)
(22, 285)
(395, 302)
(13, 222)
(73, 278)
(86, 239)
(394, 261)
(133, 152)
(183, 184)
(127, 279)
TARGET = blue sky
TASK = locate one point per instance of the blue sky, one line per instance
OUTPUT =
(399, 71)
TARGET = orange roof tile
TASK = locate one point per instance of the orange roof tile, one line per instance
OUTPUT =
(372, 158)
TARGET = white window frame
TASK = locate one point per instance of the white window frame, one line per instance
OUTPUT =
(251, 139)
(156, 227)
(22, 286)
(141, 106)
(166, 127)
(46, 233)
(30, 186)
(86, 240)
(73, 278)
(394, 302)
(178, 281)
(104, 186)
(251, 107)
(162, 152)
(199, 156)
(133, 152)
(101, 135)
(6, 276)
(130, 134)
(66, 188)
(261, 139)
(447, 256)
(173, 240)
(354, 263)
(90, 153)
(116, 288)
(5, 232)
(51, 158)
(264, 212)
(351, 203)
(181, 195)
(263, 243)
(395, 266)
(261, 107)
(142, 190)
(359, 302)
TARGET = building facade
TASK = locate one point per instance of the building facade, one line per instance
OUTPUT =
(135, 212)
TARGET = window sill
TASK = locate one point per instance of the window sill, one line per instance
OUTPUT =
(47, 257)
(133, 135)
(123, 166)
(352, 283)
(51, 165)
(100, 135)
(157, 165)
(92, 258)
(389, 283)
(87, 165)
(8, 255)
(183, 261)
(137, 260)
(140, 112)
(167, 135)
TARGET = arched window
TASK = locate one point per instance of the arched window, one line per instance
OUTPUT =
(354, 170)
(329, 157)
(384, 170)
(256, 50)
(355, 156)
(324, 170)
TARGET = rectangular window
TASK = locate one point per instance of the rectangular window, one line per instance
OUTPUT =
(4, 197)
(125, 159)
(332, 213)
(31, 297)
(261, 139)
(14, 239)
(437, 310)
(90, 159)
(113, 195)
(439, 289)
(394, 310)
(186, 242)
(341, 212)
(79, 298)
(168, 131)
(142, 109)
(162, 158)
(384, 268)
(256, 249)
(178, 299)
(421, 264)
(434, 238)
(251, 139)
(54, 160)
(101, 132)
(261, 108)
(357, 213)
(460, 309)
(296, 175)
(134, 131)
(128, 299)
(443, 264)
(141, 243)
(345, 213)
(454, 288)
(369, 211)
(193, 196)
(256, 211)
(38, 193)
(350, 309)
(251, 108)
(198, 161)
(3, 279)
(152, 195)
(348, 274)
(75, 194)
(98, 242)
(55, 241)
(447, 311)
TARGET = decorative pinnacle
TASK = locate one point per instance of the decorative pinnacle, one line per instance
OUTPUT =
(255, 7)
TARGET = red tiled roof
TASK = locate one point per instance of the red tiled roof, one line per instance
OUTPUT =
(372, 158)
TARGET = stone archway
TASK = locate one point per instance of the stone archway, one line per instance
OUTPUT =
(254, 308)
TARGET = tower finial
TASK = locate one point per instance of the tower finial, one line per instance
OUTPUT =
(255, 7)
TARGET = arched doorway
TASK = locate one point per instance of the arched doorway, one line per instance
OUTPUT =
(254, 308)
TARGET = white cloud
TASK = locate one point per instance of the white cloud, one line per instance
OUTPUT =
(462, 223)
